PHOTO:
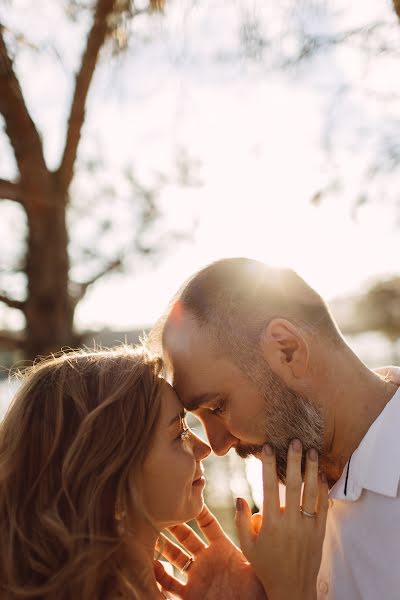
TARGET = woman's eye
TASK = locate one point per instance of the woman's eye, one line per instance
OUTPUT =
(219, 409)
(185, 434)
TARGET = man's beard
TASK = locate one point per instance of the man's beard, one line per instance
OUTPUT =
(287, 416)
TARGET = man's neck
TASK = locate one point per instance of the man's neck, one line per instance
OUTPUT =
(354, 397)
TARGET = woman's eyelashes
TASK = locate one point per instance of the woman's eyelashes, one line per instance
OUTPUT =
(185, 432)
(219, 408)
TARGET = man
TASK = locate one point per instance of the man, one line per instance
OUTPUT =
(256, 355)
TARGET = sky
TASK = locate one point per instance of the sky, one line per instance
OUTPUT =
(257, 138)
(261, 141)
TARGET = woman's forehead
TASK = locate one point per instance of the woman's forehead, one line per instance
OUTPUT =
(171, 405)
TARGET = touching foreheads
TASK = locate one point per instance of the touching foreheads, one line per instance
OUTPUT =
(234, 299)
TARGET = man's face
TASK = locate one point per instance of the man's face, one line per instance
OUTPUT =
(236, 409)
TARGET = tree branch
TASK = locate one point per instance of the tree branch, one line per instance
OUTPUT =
(396, 6)
(83, 79)
(11, 342)
(81, 288)
(10, 190)
(11, 302)
(20, 128)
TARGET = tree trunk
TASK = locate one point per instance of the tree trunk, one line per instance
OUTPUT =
(49, 308)
(396, 6)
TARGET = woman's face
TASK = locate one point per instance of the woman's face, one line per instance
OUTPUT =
(172, 481)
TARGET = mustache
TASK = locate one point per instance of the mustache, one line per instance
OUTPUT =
(246, 450)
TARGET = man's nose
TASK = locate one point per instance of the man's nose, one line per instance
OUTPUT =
(221, 446)
(221, 440)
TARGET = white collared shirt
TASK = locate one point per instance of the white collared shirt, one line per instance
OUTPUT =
(361, 553)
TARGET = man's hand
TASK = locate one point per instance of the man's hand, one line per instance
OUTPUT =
(286, 547)
(219, 571)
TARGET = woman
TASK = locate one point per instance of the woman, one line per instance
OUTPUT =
(95, 460)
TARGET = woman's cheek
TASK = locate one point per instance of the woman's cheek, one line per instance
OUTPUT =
(187, 462)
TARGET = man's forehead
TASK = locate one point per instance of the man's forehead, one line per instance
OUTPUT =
(196, 386)
(187, 350)
(179, 332)
(190, 356)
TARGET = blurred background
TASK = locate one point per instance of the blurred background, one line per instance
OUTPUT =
(140, 141)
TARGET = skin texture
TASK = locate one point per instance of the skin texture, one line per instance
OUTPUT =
(284, 546)
(220, 570)
(276, 545)
(234, 405)
(166, 490)
(172, 465)
(163, 488)
(345, 394)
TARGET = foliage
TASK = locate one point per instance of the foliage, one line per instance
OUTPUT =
(345, 52)
(379, 308)
(69, 233)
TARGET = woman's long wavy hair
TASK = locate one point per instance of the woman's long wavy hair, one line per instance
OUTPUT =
(75, 434)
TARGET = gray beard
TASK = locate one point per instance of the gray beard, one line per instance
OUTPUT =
(288, 415)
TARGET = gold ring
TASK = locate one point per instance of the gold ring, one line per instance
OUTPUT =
(307, 514)
(187, 564)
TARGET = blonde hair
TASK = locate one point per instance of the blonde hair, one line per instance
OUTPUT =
(76, 432)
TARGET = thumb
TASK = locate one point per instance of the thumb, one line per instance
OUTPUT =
(244, 526)
(167, 582)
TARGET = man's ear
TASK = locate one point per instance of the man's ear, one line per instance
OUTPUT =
(285, 349)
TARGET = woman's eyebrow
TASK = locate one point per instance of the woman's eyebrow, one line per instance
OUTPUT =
(178, 417)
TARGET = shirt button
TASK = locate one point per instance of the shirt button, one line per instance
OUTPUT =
(323, 587)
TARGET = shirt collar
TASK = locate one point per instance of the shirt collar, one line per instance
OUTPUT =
(375, 464)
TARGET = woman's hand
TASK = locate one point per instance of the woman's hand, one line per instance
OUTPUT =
(219, 570)
(285, 547)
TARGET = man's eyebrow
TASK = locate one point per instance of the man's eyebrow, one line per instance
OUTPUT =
(197, 401)
(177, 417)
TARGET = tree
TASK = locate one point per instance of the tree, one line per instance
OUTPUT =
(396, 6)
(343, 53)
(44, 194)
(379, 310)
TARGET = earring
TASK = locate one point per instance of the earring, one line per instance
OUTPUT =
(119, 513)
(119, 516)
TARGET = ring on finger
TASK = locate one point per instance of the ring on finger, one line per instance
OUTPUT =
(187, 565)
(307, 514)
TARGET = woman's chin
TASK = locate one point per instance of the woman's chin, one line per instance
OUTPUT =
(197, 506)
(193, 510)
(190, 510)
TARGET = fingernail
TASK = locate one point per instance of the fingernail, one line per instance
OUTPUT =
(313, 454)
(296, 445)
(268, 450)
(323, 477)
(239, 504)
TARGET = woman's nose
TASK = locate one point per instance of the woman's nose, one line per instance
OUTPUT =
(200, 448)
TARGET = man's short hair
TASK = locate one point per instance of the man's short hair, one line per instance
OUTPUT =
(234, 299)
